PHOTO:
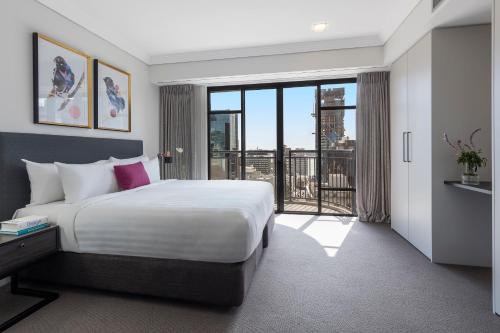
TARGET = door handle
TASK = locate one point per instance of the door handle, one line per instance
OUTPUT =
(404, 147)
(408, 147)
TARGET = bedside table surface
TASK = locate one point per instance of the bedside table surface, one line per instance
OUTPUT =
(6, 239)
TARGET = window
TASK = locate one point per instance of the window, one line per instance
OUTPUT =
(225, 101)
(298, 136)
(260, 135)
(343, 94)
(338, 147)
(225, 135)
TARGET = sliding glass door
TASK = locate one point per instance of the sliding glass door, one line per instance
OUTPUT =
(300, 150)
(300, 137)
(338, 148)
(260, 135)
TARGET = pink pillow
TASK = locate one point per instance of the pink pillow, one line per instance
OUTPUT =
(131, 176)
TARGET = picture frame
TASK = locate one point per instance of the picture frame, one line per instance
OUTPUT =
(62, 85)
(112, 98)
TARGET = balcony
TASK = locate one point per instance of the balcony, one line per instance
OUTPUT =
(338, 172)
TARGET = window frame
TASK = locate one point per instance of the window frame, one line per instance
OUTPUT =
(279, 86)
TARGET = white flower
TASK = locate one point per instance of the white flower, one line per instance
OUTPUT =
(179, 150)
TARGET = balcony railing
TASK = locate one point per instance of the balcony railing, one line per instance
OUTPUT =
(338, 168)
(338, 172)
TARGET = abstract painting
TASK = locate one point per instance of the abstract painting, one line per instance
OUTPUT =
(61, 84)
(112, 90)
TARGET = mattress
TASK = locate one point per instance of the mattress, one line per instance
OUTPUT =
(216, 221)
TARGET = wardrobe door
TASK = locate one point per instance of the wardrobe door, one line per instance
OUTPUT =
(399, 129)
(419, 126)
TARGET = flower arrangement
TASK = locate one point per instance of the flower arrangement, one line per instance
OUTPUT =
(469, 157)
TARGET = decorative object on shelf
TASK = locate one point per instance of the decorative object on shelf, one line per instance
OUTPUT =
(112, 98)
(166, 156)
(61, 85)
(469, 157)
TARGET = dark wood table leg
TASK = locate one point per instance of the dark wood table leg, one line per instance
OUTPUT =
(46, 297)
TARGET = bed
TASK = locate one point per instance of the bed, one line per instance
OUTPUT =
(191, 240)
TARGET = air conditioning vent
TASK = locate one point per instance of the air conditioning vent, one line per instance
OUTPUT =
(436, 3)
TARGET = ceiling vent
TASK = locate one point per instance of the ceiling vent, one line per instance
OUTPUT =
(436, 3)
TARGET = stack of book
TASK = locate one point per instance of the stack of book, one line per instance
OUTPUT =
(23, 225)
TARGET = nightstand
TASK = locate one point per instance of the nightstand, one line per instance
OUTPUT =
(17, 252)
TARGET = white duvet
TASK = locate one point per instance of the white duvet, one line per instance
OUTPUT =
(217, 221)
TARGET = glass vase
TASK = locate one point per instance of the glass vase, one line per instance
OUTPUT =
(470, 175)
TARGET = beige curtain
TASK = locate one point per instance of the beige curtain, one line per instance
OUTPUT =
(176, 107)
(199, 134)
(373, 148)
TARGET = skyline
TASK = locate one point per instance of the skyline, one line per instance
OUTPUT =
(298, 121)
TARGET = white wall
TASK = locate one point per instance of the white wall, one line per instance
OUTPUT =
(18, 20)
(422, 20)
(461, 102)
(311, 62)
(411, 30)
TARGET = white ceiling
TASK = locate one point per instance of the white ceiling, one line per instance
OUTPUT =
(167, 31)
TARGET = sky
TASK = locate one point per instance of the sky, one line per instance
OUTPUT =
(298, 123)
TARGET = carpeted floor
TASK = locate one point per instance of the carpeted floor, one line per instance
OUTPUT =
(320, 274)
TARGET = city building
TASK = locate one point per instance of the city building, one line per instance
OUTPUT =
(224, 139)
(224, 132)
(262, 160)
(332, 121)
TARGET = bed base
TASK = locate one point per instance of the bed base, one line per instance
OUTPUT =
(205, 282)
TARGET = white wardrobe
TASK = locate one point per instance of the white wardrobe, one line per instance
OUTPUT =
(442, 84)
(411, 180)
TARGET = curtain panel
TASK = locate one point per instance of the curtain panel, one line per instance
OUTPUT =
(199, 131)
(176, 108)
(183, 124)
(373, 147)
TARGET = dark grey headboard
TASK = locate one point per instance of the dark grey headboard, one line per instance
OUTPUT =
(14, 183)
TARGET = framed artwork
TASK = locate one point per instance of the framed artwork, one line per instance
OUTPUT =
(112, 101)
(61, 84)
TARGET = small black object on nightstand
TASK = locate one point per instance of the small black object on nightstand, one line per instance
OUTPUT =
(17, 252)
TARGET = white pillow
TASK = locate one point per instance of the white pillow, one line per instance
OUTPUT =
(153, 170)
(45, 183)
(82, 181)
(127, 161)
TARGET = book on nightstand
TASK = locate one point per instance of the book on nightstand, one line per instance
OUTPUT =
(23, 225)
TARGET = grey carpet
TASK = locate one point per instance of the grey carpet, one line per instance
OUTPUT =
(310, 280)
